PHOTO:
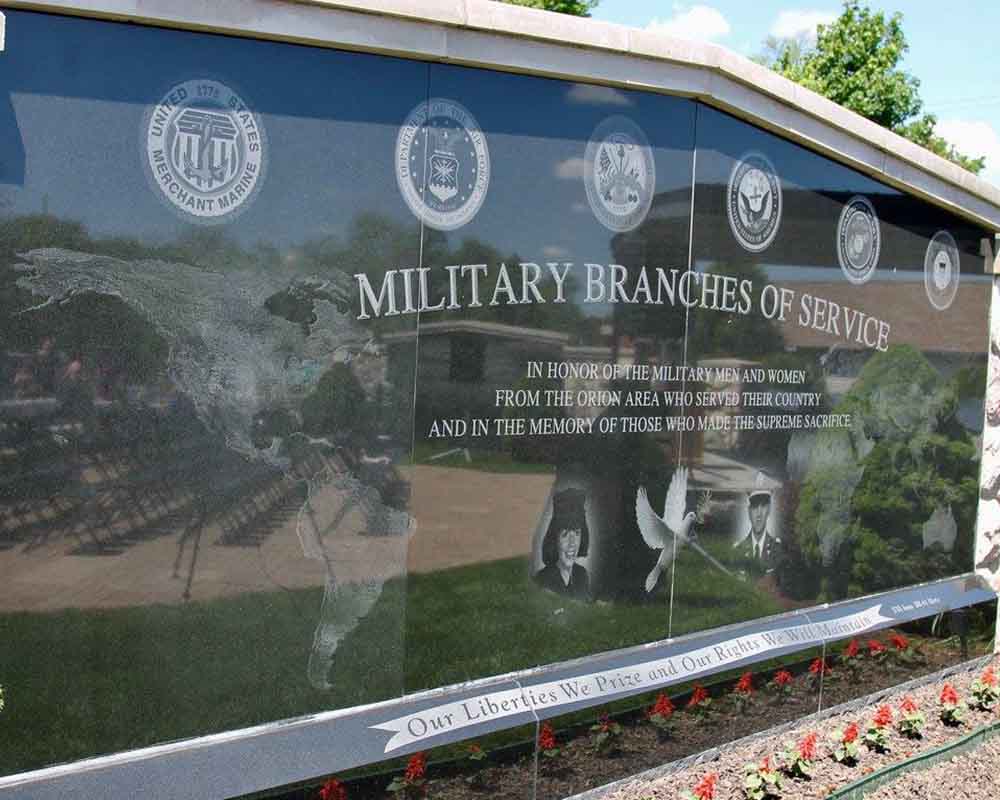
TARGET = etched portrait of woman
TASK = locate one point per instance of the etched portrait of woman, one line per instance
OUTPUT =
(566, 540)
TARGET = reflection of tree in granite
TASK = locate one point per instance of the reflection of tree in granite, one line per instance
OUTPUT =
(616, 465)
(870, 490)
(229, 354)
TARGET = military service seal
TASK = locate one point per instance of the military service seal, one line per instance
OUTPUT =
(619, 174)
(753, 202)
(942, 268)
(205, 150)
(442, 163)
(859, 240)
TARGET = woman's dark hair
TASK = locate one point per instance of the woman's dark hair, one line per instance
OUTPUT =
(568, 514)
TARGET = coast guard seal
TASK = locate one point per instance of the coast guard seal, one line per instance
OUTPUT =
(859, 240)
(942, 269)
(204, 149)
(619, 174)
(753, 202)
(442, 163)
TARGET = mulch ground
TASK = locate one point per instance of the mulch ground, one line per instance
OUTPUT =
(971, 776)
(828, 775)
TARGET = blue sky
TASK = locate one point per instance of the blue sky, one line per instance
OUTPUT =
(950, 50)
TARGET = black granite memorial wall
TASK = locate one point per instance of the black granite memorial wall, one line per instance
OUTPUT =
(329, 378)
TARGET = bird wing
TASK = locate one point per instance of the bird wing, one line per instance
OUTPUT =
(763, 203)
(653, 529)
(676, 502)
(746, 205)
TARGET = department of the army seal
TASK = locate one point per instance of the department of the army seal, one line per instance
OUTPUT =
(753, 201)
(859, 239)
(205, 150)
(942, 270)
(619, 174)
(442, 163)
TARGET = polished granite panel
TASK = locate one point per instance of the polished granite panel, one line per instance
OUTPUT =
(204, 500)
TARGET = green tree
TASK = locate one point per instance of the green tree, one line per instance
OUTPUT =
(578, 8)
(856, 63)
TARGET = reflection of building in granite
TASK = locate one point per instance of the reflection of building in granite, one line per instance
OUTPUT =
(463, 362)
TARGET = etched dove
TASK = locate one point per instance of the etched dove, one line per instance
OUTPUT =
(672, 528)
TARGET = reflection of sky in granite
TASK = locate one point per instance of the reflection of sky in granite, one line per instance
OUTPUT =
(330, 152)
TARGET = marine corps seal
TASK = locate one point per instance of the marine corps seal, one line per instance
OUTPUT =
(753, 202)
(619, 174)
(942, 268)
(204, 149)
(859, 240)
(442, 163)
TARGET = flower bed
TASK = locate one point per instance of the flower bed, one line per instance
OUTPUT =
(581, 753)
(808, 756)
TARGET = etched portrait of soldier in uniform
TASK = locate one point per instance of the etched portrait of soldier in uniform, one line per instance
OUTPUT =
(759, 548)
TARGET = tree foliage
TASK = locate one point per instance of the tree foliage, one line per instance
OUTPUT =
(860, 533)
(577, 8)
(856, 63)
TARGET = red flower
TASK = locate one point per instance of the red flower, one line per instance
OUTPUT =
(662, 707)
(333, 790)
(988, 678)
(850, 733)
(765, 765)
(807, 747)
(604, 721)
(899, 641)
(698, 696)
(883, 717)
(705, 789)
(783, 677)
(949, 697)
(852, 649)
(875, 647)
(908, 706)
(819, 667)
(416, 768)
(547, 738)
(745, 684)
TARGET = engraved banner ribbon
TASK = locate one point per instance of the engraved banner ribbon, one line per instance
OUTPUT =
(646, 675)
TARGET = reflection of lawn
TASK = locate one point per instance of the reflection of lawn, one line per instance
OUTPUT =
(487, 619)
(83, 683)
(482, 460)
(86, 683)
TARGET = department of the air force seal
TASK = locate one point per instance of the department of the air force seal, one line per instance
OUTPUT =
(859, 240)
(941, 270)
(753, 202)
(204, 149)
(442, 163)
(619, 174)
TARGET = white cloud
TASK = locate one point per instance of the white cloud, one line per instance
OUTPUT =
(697, 22)
(555, 251)
(571, 168)
(974, 138)
(796, 23)
(588, 94)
